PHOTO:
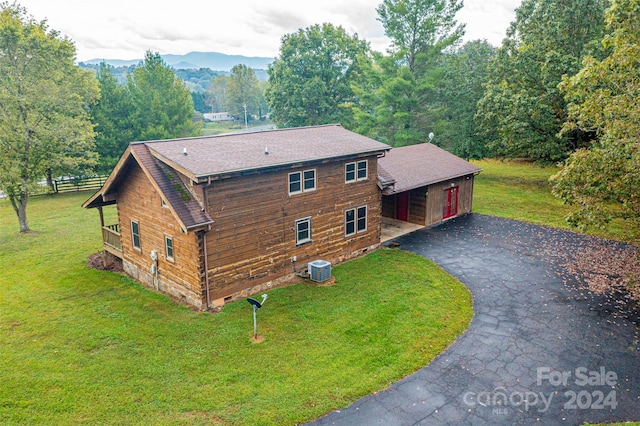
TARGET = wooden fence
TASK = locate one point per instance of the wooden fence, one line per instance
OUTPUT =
(78, 184)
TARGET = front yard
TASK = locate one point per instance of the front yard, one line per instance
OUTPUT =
(81, 346)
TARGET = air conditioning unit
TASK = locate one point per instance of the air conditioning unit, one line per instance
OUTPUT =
(319, 270)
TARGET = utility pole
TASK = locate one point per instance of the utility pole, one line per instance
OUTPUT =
(245, 116)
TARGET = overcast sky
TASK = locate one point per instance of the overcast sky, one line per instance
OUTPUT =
(125, 29)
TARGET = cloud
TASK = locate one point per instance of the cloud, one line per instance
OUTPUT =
(126, 28)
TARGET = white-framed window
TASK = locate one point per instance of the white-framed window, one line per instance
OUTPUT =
(309, 180)
(164, 203)
(302, 181)
(355, 220)
(303, 230)
(135, 234)
(362, 170)
(168, 245)
(356, 171)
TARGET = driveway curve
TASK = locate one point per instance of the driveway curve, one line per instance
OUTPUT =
(539, 350)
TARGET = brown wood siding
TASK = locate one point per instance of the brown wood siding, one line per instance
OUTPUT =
(389, 206)
(417, 206)
(436, 198)
(139, 201)
(253, 240)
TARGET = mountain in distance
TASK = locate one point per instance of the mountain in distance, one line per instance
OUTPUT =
(195, 60)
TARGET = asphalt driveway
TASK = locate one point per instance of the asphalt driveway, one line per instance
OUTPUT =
(539, 350)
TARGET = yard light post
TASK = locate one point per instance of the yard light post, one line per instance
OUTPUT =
(256, 305)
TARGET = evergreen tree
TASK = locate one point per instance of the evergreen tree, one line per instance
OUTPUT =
(461, 87)
(113, 116)
(163, 107)
(397, 94)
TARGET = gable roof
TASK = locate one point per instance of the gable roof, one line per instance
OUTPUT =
(224, 154)
(413, 166)
(186, 210)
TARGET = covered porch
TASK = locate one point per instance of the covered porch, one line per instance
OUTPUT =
(393, 228)
(424, 185)
(111, 239)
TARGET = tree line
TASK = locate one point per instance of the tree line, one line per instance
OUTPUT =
(561, 88)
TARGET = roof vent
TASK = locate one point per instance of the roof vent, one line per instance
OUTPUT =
(184, 151)
(266, 151)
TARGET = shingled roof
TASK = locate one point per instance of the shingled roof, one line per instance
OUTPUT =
(224, 154)
(186, 210)
(202, 157)
(409, 167)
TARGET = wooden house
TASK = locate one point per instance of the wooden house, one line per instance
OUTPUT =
(425, 185)
(213, 219)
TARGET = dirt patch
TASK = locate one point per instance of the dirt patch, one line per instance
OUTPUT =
(112, 263)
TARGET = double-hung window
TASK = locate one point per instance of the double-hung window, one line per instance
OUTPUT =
(168, 245)
(355, 171)
(303, 230)
(135, 234)
(355, 220)
(302, 181)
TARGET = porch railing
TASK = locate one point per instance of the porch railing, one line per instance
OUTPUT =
(111, 239)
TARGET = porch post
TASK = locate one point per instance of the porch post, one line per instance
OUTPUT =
(101, 216)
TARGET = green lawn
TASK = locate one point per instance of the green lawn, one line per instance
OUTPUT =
(220, 127)
(80, 346)
(520, 190)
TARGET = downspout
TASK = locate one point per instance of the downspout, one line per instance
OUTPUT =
(206, 268)
(204, 242)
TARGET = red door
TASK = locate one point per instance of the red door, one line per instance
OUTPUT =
(450, 202)
(402, 206)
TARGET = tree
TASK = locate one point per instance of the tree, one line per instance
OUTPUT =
(216, 95)
(603, 182)
(420, 27)
(243, 90)
(163, 105)
(457, 96)
(387, 109)
(397, 94)
(522, 110)
(199, 101)
(113, 116)
(310, 81)
(44, 98)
